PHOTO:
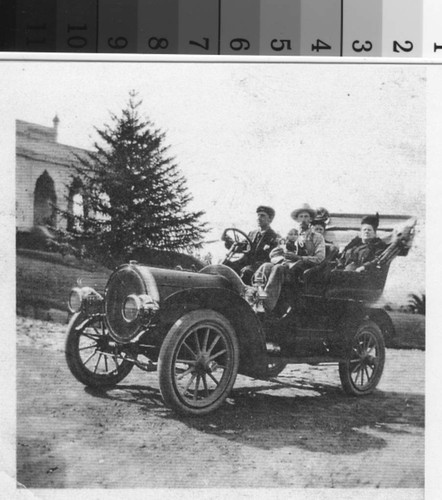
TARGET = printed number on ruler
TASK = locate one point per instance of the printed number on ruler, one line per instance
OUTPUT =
(119, 42)
(406, 46)
(204, 45)
(76, 40)
(157, 43)
(239, 44)
(358, 46)
(320, 45)
(281, 44)
(38, 30)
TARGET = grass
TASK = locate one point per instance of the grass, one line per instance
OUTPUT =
(45, 282)
(410, 330)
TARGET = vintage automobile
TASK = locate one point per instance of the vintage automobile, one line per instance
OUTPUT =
(199, 331)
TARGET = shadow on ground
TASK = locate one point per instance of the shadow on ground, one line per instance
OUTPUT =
(260, 416)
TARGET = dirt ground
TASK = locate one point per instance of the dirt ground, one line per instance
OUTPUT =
(299, 432)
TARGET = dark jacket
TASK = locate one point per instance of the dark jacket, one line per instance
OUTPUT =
(262, 245)
(357, 254)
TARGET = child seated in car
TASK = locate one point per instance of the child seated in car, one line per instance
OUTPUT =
(290, 244)
(279, 256)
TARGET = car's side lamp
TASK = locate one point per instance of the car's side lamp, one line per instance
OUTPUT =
(79, 294)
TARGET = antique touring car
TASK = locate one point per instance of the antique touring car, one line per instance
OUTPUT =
(198, 330)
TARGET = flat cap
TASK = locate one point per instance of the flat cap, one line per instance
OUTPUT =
(267, 210)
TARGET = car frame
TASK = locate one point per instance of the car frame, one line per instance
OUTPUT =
(199, 330)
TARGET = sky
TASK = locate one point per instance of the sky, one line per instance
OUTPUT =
(351, 138)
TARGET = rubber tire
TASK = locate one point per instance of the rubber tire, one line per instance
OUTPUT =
(191, 320)
(75, 364)
(344, 367)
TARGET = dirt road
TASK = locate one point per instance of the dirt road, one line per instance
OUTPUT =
(300, 432)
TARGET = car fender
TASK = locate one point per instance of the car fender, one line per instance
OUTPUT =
(253, 358)
(385, 323)
(350, 314)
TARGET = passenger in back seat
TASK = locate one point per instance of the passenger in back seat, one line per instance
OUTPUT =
(319, 226)
(361, 253)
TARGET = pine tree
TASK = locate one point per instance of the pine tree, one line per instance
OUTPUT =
(134, 194)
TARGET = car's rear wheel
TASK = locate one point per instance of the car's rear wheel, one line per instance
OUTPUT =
(362, 371)
(198, 362)
(93, 357)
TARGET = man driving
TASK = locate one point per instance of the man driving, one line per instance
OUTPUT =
(264, 240)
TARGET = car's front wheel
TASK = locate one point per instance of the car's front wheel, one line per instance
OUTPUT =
(93, 357)
(362, 371)
(198, 362)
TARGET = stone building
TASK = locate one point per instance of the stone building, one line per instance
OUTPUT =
(44, 176)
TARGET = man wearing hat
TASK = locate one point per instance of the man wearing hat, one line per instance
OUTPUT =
(264, 240)
(310, 251)
(311, 245)
(360, 254)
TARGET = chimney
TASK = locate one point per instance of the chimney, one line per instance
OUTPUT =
(56, 121)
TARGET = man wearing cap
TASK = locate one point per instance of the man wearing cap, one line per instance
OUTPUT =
(361, 253)
(264, 240)
(310, 251)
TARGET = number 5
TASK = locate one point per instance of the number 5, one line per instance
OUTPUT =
(283, 44)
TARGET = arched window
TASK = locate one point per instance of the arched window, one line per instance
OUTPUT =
(45, 201)
(76, 206)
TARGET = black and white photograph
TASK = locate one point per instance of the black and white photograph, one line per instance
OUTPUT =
(220, 277)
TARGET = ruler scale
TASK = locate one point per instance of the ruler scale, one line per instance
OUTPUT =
(404, 38)
(77, 24)
(198, 27)
(116, 21)
(158, 27)
(280, 27)
(240, 27)
(362, 35)
(321, 27)
(348, 28)
(35, 25)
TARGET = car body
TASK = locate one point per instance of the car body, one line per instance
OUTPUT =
(199, 331)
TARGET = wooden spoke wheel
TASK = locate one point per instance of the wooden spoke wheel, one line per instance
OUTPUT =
(198, 362)
(93, 357)
(361, 373)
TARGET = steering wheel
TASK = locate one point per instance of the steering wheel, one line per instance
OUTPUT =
(241, 244)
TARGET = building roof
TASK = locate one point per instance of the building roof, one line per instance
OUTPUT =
(39, 143)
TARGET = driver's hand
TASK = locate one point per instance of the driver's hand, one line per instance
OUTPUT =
(228, 242)
(241, 246)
